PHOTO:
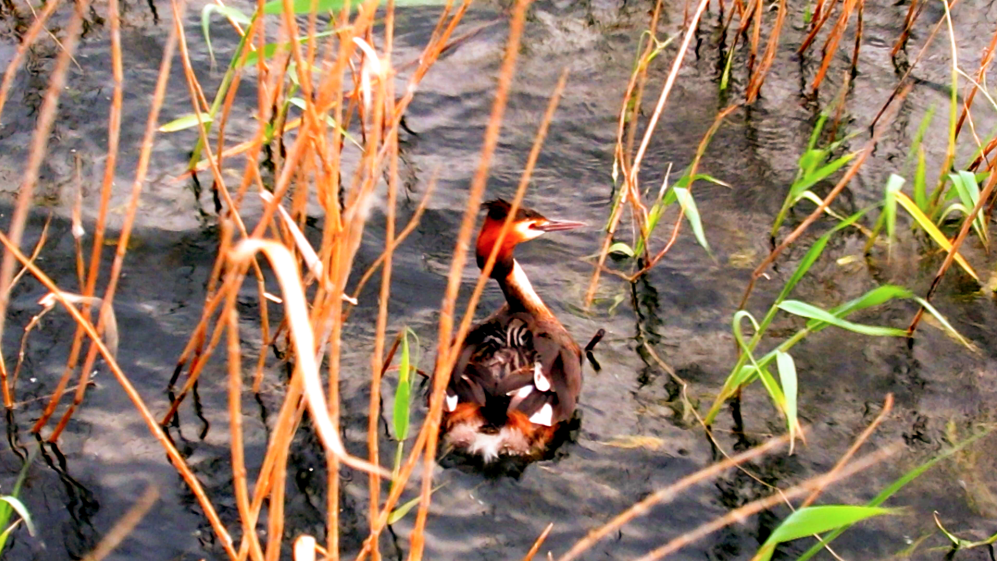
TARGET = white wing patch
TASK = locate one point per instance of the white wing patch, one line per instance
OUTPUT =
(543, 417)
(451, 402)
(539, 380)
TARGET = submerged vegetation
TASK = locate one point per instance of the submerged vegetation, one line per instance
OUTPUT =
(324, 140)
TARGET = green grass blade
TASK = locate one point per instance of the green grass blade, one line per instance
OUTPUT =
(969, 193)
(803, 309)
(403, 396)
(229, 12)
(788, 380)
(893, 186)
(621, 248)
(921, 182)
(814, 520)
(692, 215)
(816, 176)
(900, 483)
(945, 324)
(21, 510)
(404, 509)
(813, 254)
(7, 508)
(185, 122)
(875, 297)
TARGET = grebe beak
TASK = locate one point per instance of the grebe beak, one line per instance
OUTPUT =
(558, 225)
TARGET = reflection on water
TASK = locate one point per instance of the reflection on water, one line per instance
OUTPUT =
(681, 309)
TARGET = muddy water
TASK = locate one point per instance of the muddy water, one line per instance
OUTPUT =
(106, 458)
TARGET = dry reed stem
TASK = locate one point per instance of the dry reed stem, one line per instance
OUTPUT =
(756, 35)
(669, 82)
(860, 158)
(145, 155)
(239, 485)
(755, 85)
(988, 57)
(956, 244)
(175, 458)
(902, 83)
(912, 14)
(862, 438)
(8, 392)
(124, 525)
(668, 494)
(631, 179)
(408, 229)
(636, 88)
(693, 168)
(860, 26)
(285, 268)
(831, 45)
(38, 150)
(754, 507)
(377, 357)
(820, 20)
(540, 540)
(446, 353)
(27, 40)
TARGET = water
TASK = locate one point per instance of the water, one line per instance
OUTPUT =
(682, 308)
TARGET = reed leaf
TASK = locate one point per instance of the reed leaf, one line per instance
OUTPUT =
(692, 215)
(788, 379)
(814, 520)
(803, 309)
(890, 490)
(185, 122)
(928, 226)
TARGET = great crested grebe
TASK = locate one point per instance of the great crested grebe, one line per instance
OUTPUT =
(519, 372)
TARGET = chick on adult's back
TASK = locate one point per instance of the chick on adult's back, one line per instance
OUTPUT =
(519, 372)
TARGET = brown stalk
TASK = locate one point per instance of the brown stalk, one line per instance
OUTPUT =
(235, 416)
(988, 57)
(540, 540)
(631, 180)
(145, 155)
(831, 45)
(755, 85)
(175, 458)
(825, 203)
(408, 229)
(820, 20)
(636, 88)
(377, 357)
(8, 392)
(124, 525)
(668, 494)
(754, 507)
(902, 83)
(27, 40)
(756, 35)
(843, 461)
(693, 168)
(445, 350)
(306, 367)
(39, 148)
(860, 25)
(912, 14)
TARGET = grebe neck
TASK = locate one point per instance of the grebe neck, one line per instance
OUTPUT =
(519, 292)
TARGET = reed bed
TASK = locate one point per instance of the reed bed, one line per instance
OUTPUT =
(334, 63)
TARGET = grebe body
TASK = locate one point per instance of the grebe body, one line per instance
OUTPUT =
(519, 373)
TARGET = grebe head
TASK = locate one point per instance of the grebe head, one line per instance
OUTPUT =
(528, 224)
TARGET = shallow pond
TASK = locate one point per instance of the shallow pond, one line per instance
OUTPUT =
(682, 308)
